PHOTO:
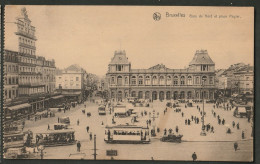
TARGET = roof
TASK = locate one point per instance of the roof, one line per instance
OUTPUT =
(74, 68)
(201, 57)
(20, 106)
(159, 67)
(119, 58)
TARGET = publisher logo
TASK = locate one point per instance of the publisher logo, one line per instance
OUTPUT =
(156, 16)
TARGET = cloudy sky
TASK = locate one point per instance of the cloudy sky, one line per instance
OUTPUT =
(89, 35)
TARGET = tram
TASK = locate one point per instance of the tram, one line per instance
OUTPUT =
(56, 138)
(102, 110)
(14, 140)
(127, 134)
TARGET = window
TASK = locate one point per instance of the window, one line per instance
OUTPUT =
(140, 80)
(210, 80)
(119, 80)
(175, 80)
(147, 80)
(169, 80)
(10, 94)
(189, 80)
(126, 80)
(10, 81)
(112, 80)
(182, 80)
(133, 80)
(204, 67)
(204, 79)
(197, 80)
(155, 81)
(77, 78)
(162, 82)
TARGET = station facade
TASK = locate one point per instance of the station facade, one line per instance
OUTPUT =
(159, 82)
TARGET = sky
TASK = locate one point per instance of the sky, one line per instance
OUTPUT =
(89, 35)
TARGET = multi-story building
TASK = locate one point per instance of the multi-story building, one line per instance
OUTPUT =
(160, 82)
(244, 80)
(10, 75)
(47, 69)
(71, 82)
(29, 79)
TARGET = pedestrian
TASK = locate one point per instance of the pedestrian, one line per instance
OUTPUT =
(188, 121)
(164, 112)
(233, 123)
(87, 128)
(198, 120)
(102, 123)
(197, 107)
(177, 129)
(165, 131)
(78, 146)
(223, 121)
(237, 126)
(212, 129)
(194, 156)
(248, 118)
(235, 146)
(243, 135)
(90, 136)
(185, 121)
(58, 120)
(192, 118)
(182, 114)
(170, 131)
(78, 122)
(48, 127)
(219, 121)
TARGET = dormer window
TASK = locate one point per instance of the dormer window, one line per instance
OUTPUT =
(119, 68)
(204, 68)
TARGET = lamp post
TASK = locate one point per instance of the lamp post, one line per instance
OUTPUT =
(203, 133)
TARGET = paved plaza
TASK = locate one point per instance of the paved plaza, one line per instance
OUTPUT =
(206, 147)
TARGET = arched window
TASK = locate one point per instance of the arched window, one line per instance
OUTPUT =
(168, 95)
(175, 80)
(189, 80)
(162, 81)
(182, 80)
(155, 81)
(119, 80)
(204, 79)
(140, 80)
(133, 80)
(169, 80)
(147, 80)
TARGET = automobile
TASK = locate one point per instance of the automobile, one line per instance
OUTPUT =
(65, 120)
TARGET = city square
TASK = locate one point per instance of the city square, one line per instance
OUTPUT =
(123, 106)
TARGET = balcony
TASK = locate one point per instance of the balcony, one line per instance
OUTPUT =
(25, 34)
(27, 46)
(31, 84)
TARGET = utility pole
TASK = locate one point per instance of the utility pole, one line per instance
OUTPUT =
(95, 149)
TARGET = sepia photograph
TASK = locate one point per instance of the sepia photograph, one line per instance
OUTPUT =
(168, 83)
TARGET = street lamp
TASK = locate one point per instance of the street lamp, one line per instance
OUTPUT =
(203, 133)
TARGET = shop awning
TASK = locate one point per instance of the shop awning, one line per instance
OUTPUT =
(20, 106)
(57, 97)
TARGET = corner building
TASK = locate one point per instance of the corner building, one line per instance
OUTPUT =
(160, 82)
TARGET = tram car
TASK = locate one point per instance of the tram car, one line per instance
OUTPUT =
(56, 138)
(14, 140)
(127, 134)
(102, 110)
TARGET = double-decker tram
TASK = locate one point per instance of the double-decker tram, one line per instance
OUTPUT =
(127, 134)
